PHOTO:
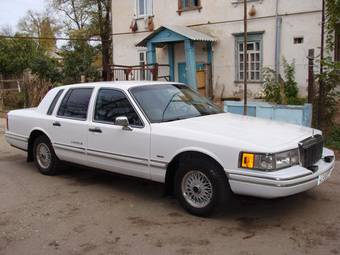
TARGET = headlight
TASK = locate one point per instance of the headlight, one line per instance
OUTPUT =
(269, 162)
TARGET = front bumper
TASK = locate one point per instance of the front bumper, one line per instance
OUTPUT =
(280, 183)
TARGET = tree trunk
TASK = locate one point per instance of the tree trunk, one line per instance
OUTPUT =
(104, 19)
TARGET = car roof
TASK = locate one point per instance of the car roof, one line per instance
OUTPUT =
(125, 85)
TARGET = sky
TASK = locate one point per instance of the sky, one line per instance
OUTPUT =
(11, 11)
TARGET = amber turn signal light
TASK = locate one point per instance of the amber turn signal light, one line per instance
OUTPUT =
(247, 160)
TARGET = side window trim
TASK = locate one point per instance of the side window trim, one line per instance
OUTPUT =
(68, 94)
(111, 123)
(54, 102)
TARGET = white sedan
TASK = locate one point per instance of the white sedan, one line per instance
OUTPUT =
(168, 133)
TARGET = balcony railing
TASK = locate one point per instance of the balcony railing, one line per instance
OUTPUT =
(152, 72)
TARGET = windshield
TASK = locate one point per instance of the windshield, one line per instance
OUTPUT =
(169, 102)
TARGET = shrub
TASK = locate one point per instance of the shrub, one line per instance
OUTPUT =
(333, 139)
(290, 85)
(284, 91)
(14, 100)
(271, 88)
(330, 79)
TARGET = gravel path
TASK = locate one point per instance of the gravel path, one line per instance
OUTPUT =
(88, 212)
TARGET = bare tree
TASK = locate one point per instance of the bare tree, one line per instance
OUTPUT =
(77, 12)
(31, 23)
(89, 18)
(101, 21)
(40, 24)
(6, 30)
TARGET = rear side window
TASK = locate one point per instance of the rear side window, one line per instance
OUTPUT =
(112, 104)
(75, 103)
(54, 102)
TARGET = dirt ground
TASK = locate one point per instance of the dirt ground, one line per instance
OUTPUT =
(91, 212)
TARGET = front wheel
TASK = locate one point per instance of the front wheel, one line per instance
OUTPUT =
(45, 158)
(201, 186)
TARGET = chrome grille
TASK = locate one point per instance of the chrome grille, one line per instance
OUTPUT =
(311, 150)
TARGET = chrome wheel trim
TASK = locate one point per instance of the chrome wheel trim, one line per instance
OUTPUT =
(43, 155)
(197, 189)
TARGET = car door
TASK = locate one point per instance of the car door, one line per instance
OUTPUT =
(111, 147)
(70, 125)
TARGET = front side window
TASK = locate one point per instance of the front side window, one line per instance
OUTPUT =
(75, 103)
(143, 8)
(162, 103)
(111, 104)
(254, 58)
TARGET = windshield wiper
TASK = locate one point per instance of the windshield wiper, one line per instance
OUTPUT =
(174, 119)
(182, 118)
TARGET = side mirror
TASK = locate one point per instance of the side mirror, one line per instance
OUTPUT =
(123, 122)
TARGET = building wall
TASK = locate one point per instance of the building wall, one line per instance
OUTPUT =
(221, 19)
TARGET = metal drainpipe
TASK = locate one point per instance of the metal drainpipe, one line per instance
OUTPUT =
(277, 41)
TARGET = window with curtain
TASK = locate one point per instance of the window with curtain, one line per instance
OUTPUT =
(143, 8)
(186, 5)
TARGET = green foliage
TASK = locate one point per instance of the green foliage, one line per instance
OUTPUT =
(79, 57)
(14, 100)
(46, 68)
(282, 92)
(40, 24)
(271, 88)
(333, 139)
(330, 78)
(297, 101)
(92, 18)
(17, 55)
(290, 85)
(332, 10)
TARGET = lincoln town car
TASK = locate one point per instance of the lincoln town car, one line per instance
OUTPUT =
(168, 133)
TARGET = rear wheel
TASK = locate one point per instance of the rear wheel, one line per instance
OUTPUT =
(44, 156)
(201, 186)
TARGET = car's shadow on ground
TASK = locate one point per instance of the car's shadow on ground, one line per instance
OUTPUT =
(239, 207)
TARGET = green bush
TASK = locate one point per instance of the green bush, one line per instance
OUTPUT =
(284, 91)
(330, 79)
(297, 100)
(14, 100)
(290, 85)
(271, 88)
(333, 139)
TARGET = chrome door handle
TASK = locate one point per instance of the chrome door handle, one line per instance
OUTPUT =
(95, 130)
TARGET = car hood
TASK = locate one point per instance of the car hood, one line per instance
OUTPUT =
(243, 130)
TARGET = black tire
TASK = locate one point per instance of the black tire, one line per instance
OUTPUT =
(53, 166)
(221, 191)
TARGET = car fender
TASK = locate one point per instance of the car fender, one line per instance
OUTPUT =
(198, 149)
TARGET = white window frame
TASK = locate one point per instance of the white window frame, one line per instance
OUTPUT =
(254, 73)
(148, 8)
(141, 51)
(140, 62)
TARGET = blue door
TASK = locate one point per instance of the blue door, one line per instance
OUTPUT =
(182, 74)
